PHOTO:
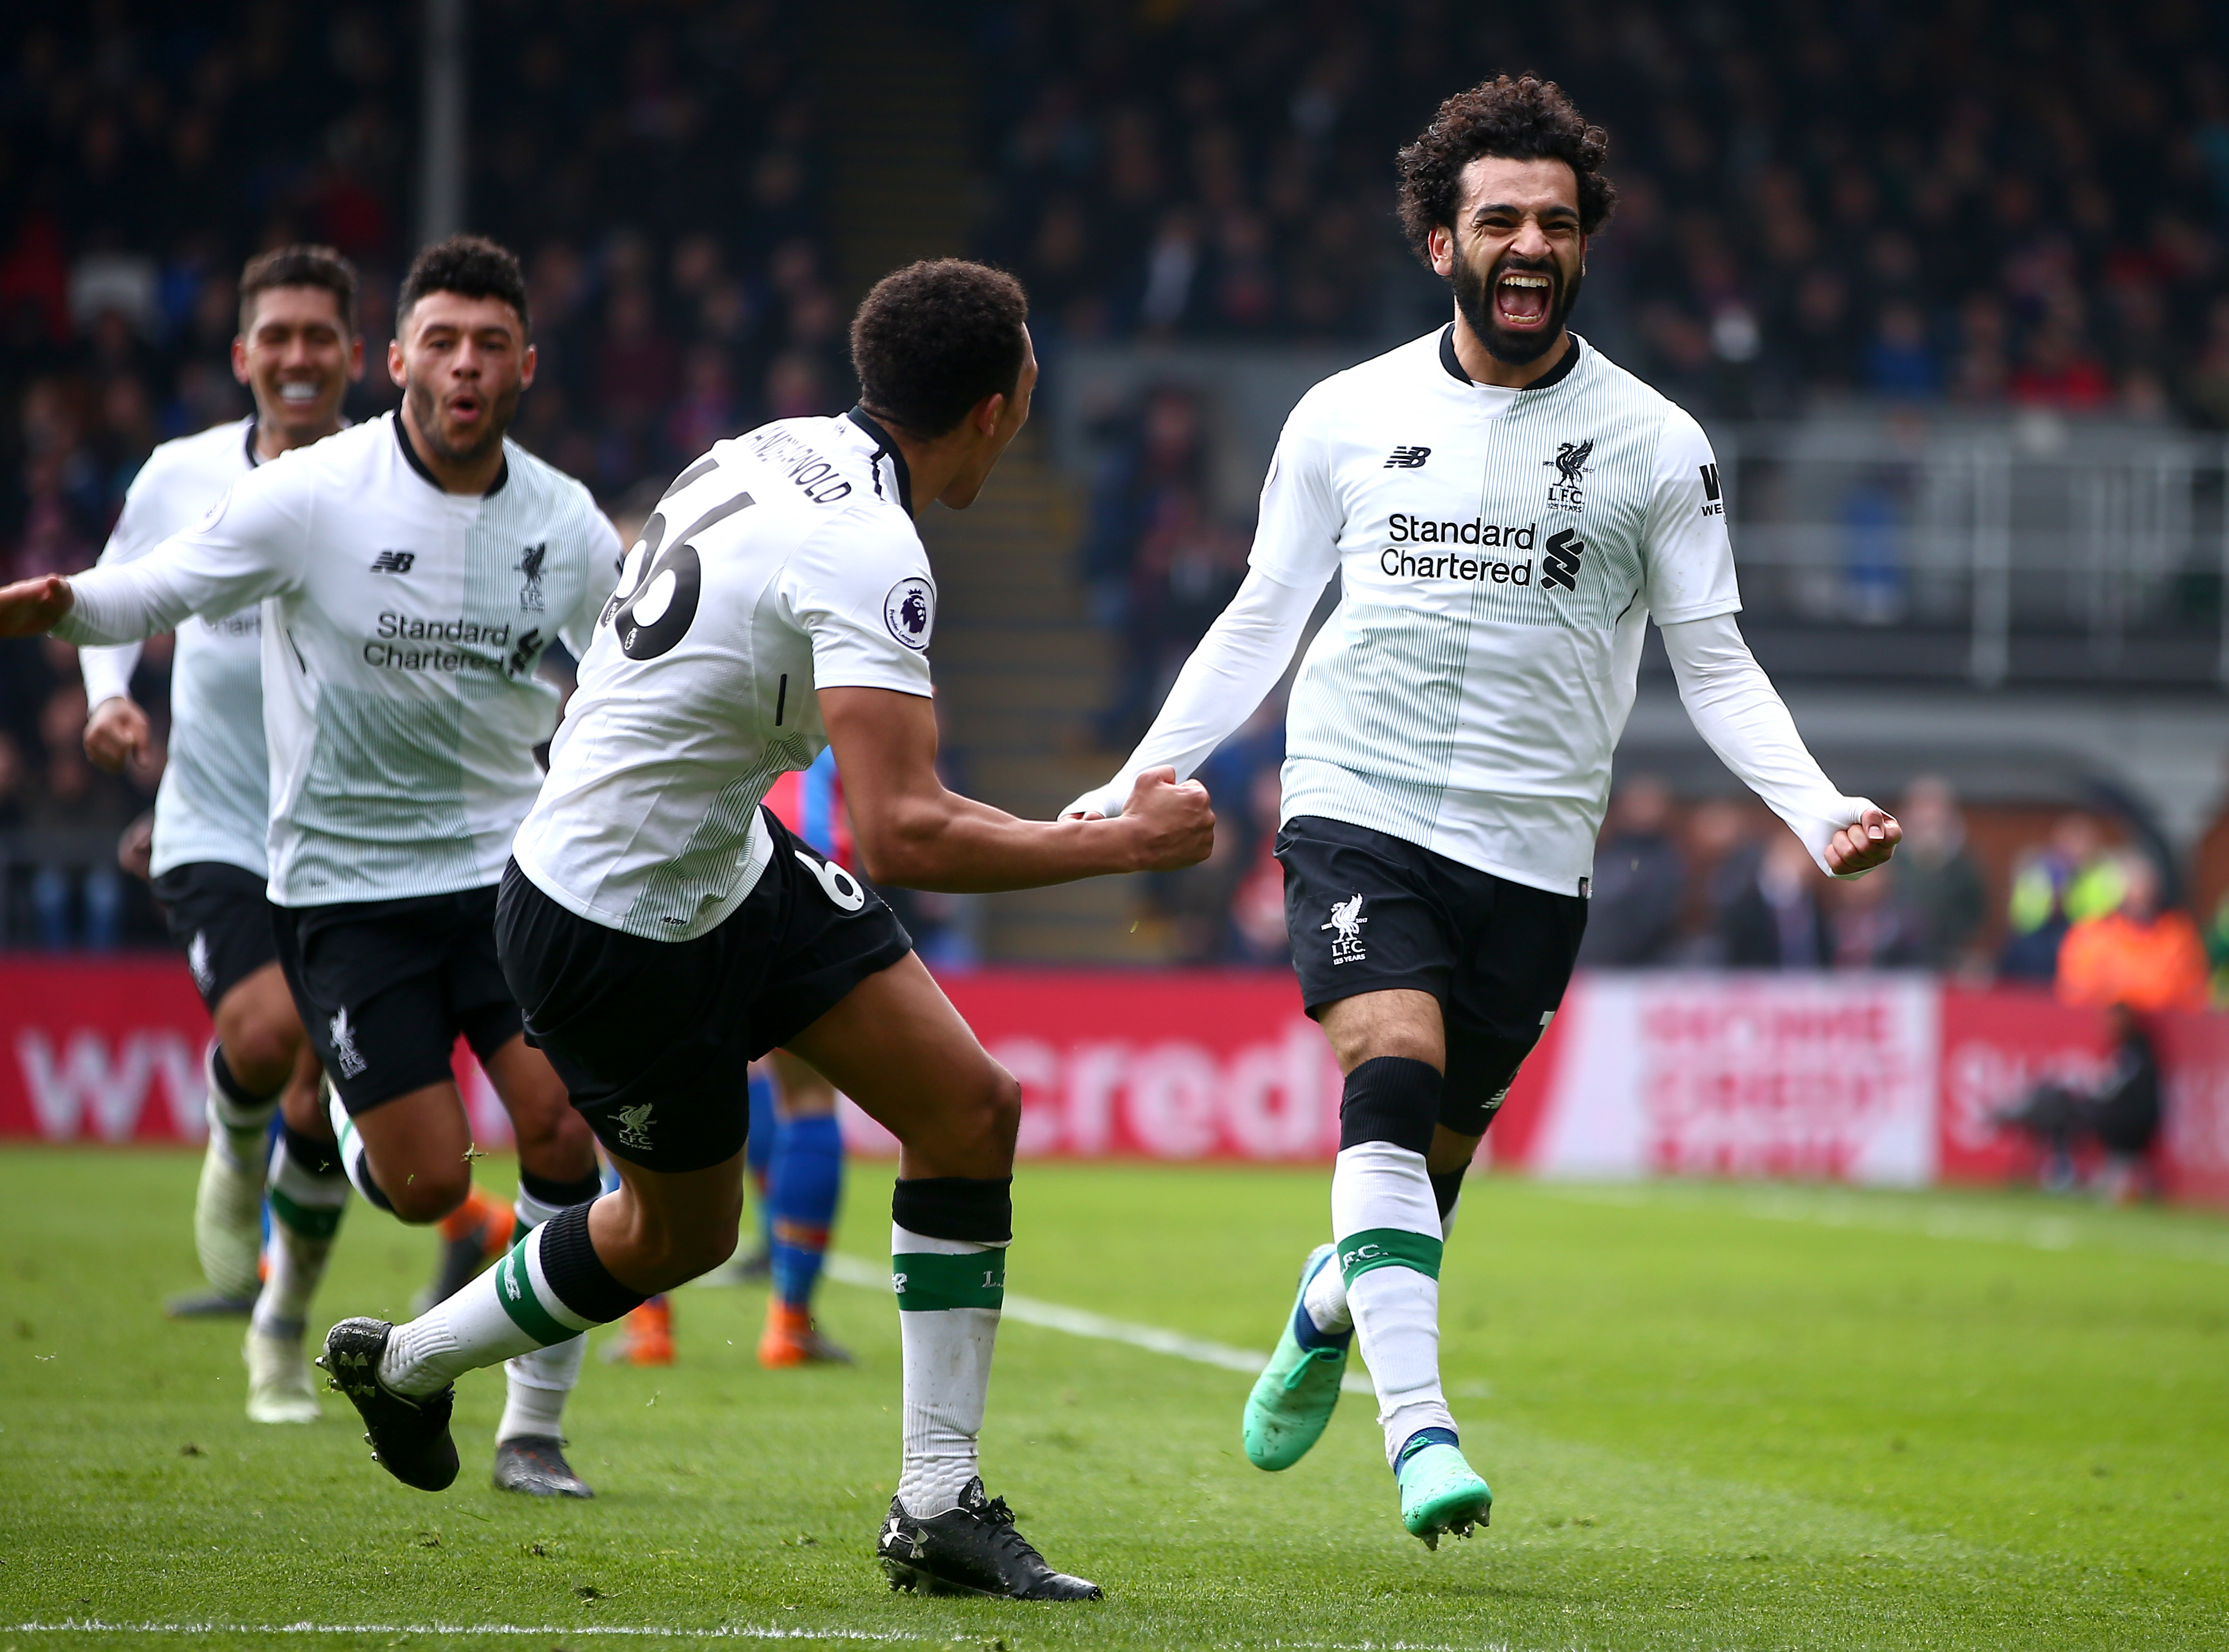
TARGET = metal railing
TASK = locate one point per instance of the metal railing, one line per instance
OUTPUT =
(2032, 550)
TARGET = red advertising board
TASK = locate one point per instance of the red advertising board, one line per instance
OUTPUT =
(1176, 1064)
(1997, 1043)
(1889, 1079)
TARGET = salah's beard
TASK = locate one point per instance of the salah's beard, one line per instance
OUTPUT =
(425, 411)
(1474, 298)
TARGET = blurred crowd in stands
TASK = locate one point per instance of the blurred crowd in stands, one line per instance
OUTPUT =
(1981, 203)
(658, 169)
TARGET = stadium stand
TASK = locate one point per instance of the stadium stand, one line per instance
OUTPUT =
(1942, 280)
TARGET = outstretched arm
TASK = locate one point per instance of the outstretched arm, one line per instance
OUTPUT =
(1736, 710)
(913, 832)
(1235, 666)
(247, 548)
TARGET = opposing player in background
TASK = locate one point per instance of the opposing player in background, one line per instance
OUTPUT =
(797, 1178)
(1507, 510)
(297, 351)
(804, 1172)
(663, 929)
(412, 569)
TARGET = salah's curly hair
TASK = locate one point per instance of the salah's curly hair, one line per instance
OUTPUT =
(1522, 118)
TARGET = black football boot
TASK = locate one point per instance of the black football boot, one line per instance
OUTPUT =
(409, 1438)
(971, 1550)
(535, 1465)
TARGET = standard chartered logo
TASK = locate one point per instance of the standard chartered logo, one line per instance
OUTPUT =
(1400, 560)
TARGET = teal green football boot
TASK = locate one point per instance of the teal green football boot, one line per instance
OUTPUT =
(1293, 1397)
(1440, 1492)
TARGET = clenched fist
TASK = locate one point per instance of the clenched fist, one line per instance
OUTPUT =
(31, 607)
(1861, 847)
(115, 734)
(1174, 825)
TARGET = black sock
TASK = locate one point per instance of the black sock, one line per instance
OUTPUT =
(318, 1158)
(562, 1194)
(974, 1209)
(227, 1081)
(577, 1275)
(1446, 1187)
(1390, 1098)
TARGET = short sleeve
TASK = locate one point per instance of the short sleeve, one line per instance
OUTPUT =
(600, 557)
(867, 602)
(251, 543)
(1688, 558)
(1296, 536)
(142, 525)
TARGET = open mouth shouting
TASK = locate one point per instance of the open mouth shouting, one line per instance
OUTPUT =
(1522, 299)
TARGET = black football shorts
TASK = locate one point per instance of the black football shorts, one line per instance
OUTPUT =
(1369, 912)
(222, 915)
(654, 1039)
(386, 987)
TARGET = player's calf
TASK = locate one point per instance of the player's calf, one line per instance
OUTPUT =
(228, 1200)
(308, 1194)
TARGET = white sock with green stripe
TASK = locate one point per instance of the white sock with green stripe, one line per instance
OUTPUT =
(1387, 1227)
(550, 1289)
(951, 1285)
(1325, 1297)
(307, 1193)
(349, 1145)
(536, 1384)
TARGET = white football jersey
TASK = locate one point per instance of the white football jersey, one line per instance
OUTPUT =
(782, 562)
(1500, 552)
(399, 638)
(214, 803)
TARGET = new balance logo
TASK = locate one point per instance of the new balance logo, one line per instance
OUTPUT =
(1559, 559)
(1408, 458)
(1712, 505)
(394, 562)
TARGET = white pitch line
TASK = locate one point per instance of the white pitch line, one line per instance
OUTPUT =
(723, 1632)
(1077, 1321)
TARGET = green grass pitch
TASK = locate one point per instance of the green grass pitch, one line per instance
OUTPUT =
(1714, 1416)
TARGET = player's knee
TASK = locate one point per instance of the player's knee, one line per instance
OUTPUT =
(994, 1117)
(426, 1193)
(554, 1136)
(259, 1048)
